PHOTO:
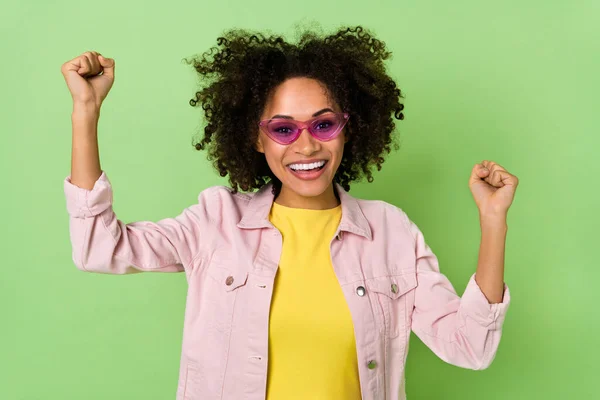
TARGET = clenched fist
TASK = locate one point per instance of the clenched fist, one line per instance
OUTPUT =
(89, 78)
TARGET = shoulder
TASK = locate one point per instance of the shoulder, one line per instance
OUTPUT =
(215, 193)
(220, 202)
(387, 216)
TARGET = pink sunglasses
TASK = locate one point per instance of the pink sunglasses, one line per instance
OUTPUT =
(323, 127)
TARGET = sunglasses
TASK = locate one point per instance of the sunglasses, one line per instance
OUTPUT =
(286, 131)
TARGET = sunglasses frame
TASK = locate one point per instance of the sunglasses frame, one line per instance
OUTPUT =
(263, 125)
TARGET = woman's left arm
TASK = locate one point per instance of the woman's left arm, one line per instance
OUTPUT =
(465, 331)
(493, 189)
(490, 267)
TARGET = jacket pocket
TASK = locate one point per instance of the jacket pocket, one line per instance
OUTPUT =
(396, 298)
(223, 288)
(192, 384)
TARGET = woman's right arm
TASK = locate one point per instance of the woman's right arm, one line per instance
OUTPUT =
(101, 242)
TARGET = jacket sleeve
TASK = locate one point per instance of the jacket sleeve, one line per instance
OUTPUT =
(463, 331)
(104, 244)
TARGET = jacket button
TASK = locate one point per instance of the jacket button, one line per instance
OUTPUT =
(372, 364)
(394, 288)
(360, 291)
(229, 280)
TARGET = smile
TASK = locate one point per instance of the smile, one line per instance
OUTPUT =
(308, 171)
(308, 167)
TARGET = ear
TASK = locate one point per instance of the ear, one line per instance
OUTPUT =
(258, 145)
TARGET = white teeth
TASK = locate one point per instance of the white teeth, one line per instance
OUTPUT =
(306, 167)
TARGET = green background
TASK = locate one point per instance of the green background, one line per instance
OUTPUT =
(515, 82)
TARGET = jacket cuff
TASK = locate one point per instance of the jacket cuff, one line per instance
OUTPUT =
(85, 203)
(475, 305)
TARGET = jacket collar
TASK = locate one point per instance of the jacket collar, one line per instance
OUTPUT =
(256, 214)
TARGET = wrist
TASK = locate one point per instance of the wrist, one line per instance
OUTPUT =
(85, 110)
(493, 221)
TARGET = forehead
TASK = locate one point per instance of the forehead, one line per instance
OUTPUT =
(299, 98)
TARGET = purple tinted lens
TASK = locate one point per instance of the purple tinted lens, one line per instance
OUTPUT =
(326, 126)
(282, 130)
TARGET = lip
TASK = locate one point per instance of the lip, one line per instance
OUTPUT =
(308, 175)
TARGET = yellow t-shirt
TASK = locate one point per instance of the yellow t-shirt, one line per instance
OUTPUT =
(312, 349)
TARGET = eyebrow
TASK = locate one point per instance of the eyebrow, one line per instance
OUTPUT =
(314, 115)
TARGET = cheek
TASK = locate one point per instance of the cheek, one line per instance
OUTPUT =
(337, 148)
(274, 155)
(338, 152)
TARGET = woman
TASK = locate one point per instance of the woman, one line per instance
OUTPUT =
(296, 290)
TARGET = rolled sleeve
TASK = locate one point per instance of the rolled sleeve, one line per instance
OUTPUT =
(475, 305)
(86, 203)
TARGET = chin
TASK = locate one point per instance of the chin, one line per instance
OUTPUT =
(312, 188)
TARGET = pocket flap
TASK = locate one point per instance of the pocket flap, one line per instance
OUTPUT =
(228, 279)
(393, 286)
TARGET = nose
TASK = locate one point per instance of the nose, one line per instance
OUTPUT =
(306, 144)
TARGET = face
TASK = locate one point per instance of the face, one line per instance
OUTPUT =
(301, 99)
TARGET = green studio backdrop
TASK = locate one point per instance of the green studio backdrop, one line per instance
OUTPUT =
(515, 82)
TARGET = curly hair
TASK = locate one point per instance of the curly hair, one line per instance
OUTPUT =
(242, 70)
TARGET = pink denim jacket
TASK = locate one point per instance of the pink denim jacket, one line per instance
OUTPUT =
(229, 252)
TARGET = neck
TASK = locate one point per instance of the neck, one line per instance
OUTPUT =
(324, 201)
